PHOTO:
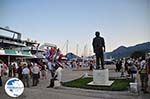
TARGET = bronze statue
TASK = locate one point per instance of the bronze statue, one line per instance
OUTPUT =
(99, 48)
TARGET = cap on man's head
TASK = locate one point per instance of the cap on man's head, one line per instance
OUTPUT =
(97, 33)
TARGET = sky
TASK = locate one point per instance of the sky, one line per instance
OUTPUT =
(120, 22)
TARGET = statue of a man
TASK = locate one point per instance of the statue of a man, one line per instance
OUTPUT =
(99, 48)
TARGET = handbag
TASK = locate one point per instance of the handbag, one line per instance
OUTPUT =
(57, 83)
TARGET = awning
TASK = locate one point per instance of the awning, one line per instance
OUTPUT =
(36, 56)
(11, 52)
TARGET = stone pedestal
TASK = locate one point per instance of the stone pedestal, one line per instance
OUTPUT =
(101, 77)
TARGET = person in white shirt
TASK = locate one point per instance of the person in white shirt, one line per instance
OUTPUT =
(58, 74)
(144, 75)
(35, 72)
(25, 74)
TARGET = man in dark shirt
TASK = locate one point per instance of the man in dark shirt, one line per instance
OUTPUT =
(99, 48)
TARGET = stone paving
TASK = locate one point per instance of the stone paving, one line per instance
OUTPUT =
(41, 92)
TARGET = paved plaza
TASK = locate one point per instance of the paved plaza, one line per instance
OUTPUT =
(41, 92)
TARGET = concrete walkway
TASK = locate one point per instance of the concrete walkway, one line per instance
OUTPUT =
(41, 92)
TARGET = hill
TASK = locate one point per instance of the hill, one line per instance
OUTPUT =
(123, 51)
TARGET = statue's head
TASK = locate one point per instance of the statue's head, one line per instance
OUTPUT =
(97, 33)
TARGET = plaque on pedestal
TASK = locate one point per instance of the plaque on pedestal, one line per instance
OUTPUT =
(101, 77)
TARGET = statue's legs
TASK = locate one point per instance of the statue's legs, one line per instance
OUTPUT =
(102, 60)
(97, 61)
(99, 57)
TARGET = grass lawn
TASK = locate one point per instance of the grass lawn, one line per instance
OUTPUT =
(118, 85)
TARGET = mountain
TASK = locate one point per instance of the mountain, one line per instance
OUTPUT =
(123, 51)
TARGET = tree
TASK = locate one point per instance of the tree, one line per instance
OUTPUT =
(137, 54)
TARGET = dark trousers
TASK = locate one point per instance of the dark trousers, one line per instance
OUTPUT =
(26, 80)
(10, 73)
(0, 81)
(20, 76)
(35, 79)
(99, 57)
(52, 82)
(52, 73)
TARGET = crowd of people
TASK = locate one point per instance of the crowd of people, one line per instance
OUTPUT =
(78, 64)
(36, 70)
(23, 70)
(26, 70)
(134, 67)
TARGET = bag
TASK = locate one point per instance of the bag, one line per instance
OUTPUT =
(133, 88)
(56, 83)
